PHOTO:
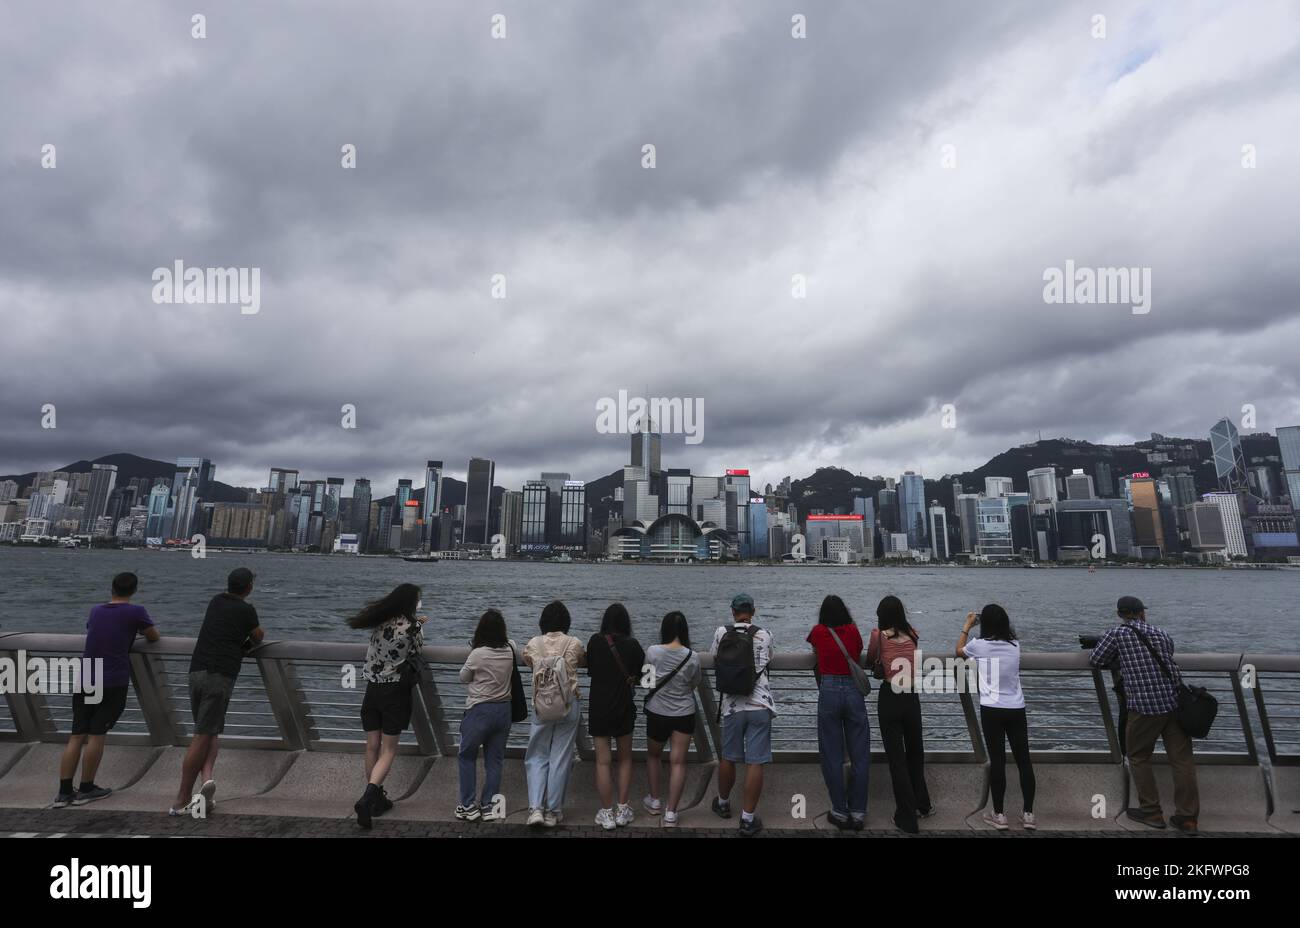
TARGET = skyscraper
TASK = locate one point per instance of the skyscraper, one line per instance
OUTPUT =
(1147, 524)
(203, 474)
(282, 480)
(478, 499)
(998, 486)
(432, 501)
(939, 533)
(532, 521)
(512, 508)
(573, 514)
(1288, 440)
(156, 523)
(1229, 462)
(968, 514)
(911, 508)
(1042, 485)
(1105, 480)
(103, 477)
(361, 512)
(646, 448)
(1079, 486)
(887, 503)
(185, 502)
(1230, 510)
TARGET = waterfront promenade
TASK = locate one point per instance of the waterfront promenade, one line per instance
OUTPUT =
(290, 762)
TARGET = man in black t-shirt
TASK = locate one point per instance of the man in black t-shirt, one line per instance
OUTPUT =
(230, 622)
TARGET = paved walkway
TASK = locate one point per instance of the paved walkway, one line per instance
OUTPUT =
(84, 822)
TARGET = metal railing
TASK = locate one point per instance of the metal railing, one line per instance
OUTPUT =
(296, 696)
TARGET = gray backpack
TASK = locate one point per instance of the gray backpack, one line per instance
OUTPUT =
(552, 691)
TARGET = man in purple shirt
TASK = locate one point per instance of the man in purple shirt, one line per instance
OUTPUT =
(110, 632)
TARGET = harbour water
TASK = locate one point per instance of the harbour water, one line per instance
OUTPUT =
(309, 597)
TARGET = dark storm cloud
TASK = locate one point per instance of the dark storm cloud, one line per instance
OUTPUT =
(522, 157)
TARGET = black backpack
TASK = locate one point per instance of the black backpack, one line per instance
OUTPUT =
(734, 668)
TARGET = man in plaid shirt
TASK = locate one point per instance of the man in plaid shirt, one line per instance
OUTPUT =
(1151, 697)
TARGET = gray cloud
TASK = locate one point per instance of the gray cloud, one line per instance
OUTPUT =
(522, 157)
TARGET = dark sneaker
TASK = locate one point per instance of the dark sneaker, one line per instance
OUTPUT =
(1184, 823)
(842, 822)
(721, 809)
(63, 800)
(1150, 819)
(90, 795)
(858, 824)
(382, 802)
(469, 813)
(750, 828)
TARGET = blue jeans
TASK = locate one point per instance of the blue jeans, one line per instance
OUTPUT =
(843, 728)
(549, 758)
(486, 725)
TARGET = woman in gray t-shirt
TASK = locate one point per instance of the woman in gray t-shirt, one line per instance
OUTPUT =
(670, 713)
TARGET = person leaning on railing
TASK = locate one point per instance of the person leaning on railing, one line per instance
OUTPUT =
(1002, 708)
(110, 631)
(843, 729)
(391, 671)
(1151, 677)
(891, 652)
(554, 657)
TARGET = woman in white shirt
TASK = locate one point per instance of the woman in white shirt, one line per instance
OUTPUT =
(1002, 707)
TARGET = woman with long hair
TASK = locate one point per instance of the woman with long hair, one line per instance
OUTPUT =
(1002, 708)
(892, 652)
(670, 713)
(842, 725)
(391, 671)
(614, 660)
(488, 671)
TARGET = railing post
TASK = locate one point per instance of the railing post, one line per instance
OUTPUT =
(285, 697)
(30, 711)
(972, 726)
(1107, 718)
(154, 694)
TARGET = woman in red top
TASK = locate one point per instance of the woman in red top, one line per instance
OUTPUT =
(842, 726)
(892, 652)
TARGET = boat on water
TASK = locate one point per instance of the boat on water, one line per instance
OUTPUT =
(422, 558)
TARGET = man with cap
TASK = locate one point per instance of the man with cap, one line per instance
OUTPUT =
(229, 626)
(1151, 698)
(746, 717)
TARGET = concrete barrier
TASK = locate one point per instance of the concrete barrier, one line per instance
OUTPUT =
(33, 781)
(1286, 800)
(239, 774)
(1233, 798)
(326, 785)
(10, 752)
(1065, 797)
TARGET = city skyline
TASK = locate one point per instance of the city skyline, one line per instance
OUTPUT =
(909, 190)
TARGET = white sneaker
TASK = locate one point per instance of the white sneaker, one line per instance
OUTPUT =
(670, 819)
(552, 819)
(536, 817)
(1028, 821)
(209, 791)
(605, 819)
(624, 815)
(652, 805)
(997, 820)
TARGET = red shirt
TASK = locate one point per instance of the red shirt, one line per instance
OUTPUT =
(830, 659)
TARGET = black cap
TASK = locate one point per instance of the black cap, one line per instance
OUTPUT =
(239, 579)
(1129, 605)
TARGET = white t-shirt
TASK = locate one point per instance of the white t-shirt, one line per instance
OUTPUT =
(998, 672)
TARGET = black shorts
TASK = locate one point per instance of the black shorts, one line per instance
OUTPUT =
(661, 727)
(386, 707)
(98, 717)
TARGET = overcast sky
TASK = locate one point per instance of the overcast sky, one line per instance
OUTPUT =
(522, 156)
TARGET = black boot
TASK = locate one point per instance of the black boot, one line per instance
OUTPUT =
(365, 806)
(382, 802)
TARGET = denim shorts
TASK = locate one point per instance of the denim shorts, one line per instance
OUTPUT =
(747, 737)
